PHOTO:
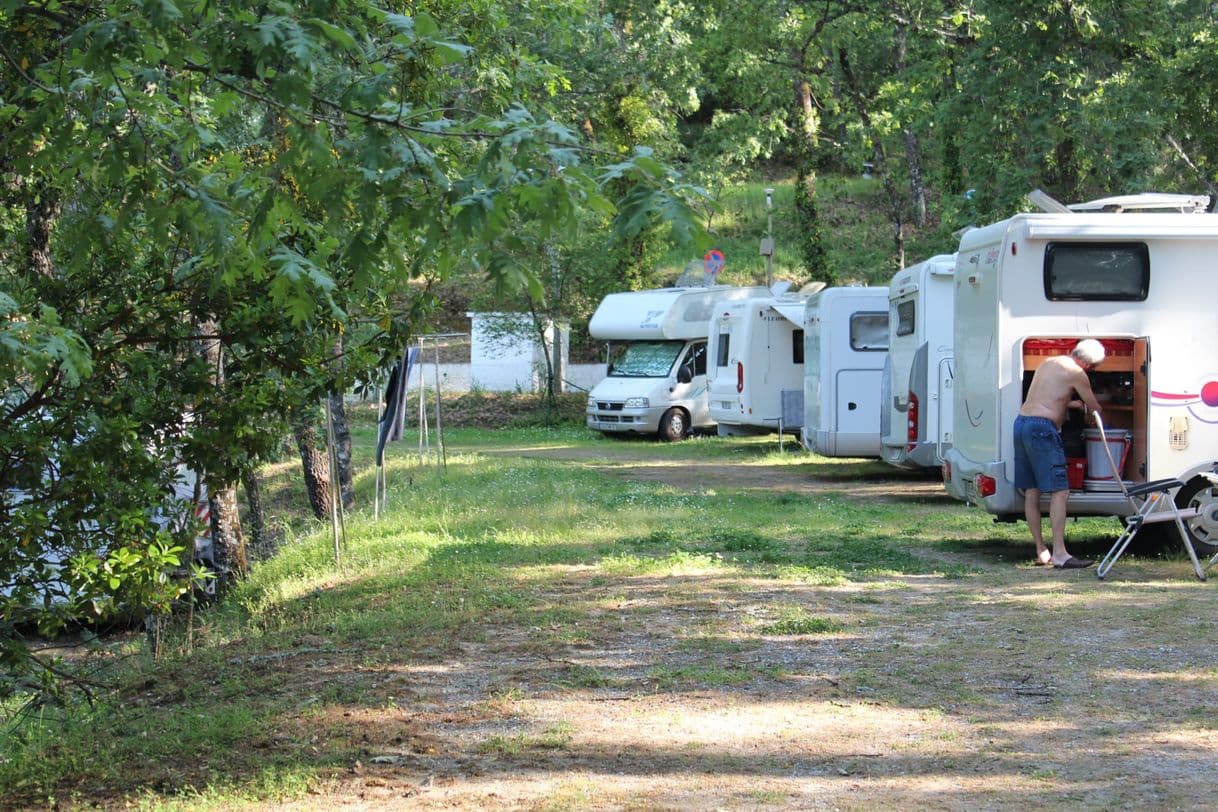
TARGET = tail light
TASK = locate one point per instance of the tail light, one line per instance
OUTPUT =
(986, 485)
(947, 472)
(739, 376)
(912, 415)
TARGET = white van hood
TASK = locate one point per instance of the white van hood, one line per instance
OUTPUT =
(622, 388)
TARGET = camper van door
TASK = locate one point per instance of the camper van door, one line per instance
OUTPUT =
(689, 383)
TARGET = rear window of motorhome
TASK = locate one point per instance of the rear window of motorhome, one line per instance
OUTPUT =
(797, 347)
(869, 331)
(721, 353)
(1104, 272)
(646, 359)
(905, 318)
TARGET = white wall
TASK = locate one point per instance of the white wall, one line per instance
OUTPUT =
(457, 378)
(585, 376)
(505, 356)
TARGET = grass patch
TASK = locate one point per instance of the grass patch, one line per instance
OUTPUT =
(556, 737)
(795, 620)
(668, 678)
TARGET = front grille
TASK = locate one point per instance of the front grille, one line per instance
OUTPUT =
(609, 406)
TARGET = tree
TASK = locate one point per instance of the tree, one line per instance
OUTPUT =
(264, 177)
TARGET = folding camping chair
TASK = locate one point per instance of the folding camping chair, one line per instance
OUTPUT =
(1152, 502)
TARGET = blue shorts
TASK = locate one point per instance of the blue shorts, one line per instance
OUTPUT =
(1040, 460)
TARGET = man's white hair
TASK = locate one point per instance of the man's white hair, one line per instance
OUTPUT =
(1089, 351)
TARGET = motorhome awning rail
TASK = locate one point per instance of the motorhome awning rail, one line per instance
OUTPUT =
(1131, 231)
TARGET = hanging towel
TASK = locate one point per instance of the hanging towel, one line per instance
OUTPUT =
(393, 419)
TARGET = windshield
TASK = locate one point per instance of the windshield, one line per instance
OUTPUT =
(644, 359)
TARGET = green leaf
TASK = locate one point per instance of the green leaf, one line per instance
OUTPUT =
(339, 36)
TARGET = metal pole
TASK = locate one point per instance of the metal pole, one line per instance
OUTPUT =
(769, 232)
(380, 469)
(440, 457)
(424, 440)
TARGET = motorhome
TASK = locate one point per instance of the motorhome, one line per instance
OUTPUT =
(1029, 287)
(756, 375)
(916, 388)
(845, 343)
(656, 382)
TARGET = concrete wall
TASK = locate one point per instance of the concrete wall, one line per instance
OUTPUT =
(459, 378)
(505, 356)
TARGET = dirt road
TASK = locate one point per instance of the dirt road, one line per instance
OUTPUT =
(1012, 688)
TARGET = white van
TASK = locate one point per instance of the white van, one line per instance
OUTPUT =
(756, 375)
(1030, 287)
(916, 402)
(845, 344)
(657, 360)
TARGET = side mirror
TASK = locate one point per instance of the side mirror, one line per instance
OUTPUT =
(609, 370)
(685, 374)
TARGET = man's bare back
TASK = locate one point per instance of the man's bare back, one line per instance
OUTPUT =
(1053, 388)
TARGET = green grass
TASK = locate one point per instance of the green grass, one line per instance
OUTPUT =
(795, 620)
(489, 540)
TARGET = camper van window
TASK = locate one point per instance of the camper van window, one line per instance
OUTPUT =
(722, 354)
(869, 331)
(645, 359)
(797, 347)
(905, 318)
(1105, 272)
(697, 358)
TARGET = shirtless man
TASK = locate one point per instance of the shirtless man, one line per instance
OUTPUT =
(1040, 460)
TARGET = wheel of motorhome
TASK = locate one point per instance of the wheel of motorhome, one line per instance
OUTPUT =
(674, 425)
(1201, 494)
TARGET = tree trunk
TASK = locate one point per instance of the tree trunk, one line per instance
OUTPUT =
(342, 431)
(227, 539)
(812, 243)
(256, 516)
(342, 449)
(913, 152)
(811, 233)
(40, 215)
(228, 543)
(315, 461)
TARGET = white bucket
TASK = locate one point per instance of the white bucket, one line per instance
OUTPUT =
(1098, 467)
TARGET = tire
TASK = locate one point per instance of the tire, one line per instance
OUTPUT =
(1203, 495)
(674, 425)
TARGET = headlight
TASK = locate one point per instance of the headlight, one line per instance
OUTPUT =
(637, 403)
(591, 403)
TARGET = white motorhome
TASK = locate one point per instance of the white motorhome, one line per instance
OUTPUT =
(845, 343)
(916, 402)
(657, 365)
(1031, 286)
(756, 375)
